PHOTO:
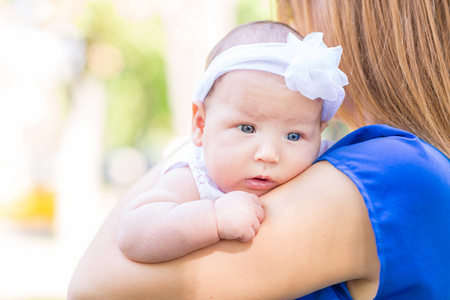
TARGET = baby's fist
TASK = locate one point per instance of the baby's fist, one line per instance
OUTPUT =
(239, 215)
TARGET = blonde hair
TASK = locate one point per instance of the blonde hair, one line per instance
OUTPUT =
(396, 55)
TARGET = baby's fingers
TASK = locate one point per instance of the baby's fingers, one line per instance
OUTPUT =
(256, 226)
(248, 235)
(259, 211)
(257, 200)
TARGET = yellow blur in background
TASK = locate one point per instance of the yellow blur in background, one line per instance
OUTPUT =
(34, 210)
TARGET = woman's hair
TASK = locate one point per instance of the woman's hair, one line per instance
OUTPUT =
(396, 55)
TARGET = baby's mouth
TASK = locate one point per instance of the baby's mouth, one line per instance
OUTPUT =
(260, 182)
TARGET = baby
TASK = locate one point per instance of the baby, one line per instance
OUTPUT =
(259, 111)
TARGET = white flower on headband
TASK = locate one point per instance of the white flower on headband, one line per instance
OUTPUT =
(313, 70)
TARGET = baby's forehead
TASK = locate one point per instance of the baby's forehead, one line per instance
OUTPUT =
(260, 94)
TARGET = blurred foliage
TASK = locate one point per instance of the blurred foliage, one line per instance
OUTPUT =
(134, 76)
(253, 10)
(134, 72)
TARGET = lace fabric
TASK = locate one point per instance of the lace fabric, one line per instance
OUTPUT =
(191, 156)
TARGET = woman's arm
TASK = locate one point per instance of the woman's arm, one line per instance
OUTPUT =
(316, 233)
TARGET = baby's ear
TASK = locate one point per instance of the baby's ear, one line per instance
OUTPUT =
(323, 125)
(198, 122)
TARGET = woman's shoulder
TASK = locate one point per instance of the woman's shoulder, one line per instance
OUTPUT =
(405, 184)
(386, 163)
(388, 151)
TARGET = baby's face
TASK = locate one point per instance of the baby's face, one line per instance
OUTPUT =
(258, 134)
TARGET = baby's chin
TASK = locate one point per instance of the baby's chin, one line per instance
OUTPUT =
(259, 193)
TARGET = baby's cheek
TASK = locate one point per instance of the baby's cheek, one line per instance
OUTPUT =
(225, 178)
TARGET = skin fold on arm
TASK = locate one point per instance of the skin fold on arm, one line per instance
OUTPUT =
(316, 233)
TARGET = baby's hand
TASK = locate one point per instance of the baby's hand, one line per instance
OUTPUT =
(239, 215)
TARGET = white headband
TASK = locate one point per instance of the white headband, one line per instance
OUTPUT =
(308, 66)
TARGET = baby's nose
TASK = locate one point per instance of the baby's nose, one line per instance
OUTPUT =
(267, 152)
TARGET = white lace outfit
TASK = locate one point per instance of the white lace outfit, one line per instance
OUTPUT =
(192, 156)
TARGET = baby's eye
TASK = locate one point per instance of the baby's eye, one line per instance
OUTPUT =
(293, 136)
(246, 128)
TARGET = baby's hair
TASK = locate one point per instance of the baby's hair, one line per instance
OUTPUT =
(253, 33)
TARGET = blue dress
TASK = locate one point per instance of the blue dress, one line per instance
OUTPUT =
(405, 184)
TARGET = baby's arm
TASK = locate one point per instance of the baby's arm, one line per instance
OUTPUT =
(165, 223)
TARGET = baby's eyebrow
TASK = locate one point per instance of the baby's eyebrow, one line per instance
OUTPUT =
(303, 120)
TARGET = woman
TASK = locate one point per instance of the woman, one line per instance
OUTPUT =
(370, 219)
